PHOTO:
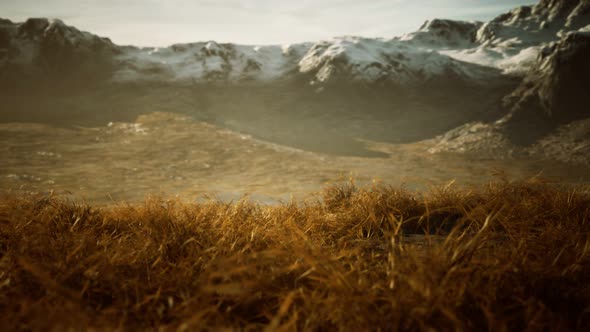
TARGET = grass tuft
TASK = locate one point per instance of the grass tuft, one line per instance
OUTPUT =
(505, 256)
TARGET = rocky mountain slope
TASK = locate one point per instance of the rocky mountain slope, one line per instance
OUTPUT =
(40, 47)
(554, 92)
(513, 40)
(546, 115)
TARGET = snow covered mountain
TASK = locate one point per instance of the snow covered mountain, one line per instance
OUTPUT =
(344, 58)
(511, 41)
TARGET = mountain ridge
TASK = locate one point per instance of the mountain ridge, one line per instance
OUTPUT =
(352, 58)
(509, 42)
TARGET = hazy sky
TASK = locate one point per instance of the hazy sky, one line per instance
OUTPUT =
(163, 22)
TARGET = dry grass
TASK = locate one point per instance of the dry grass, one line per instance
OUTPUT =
(507, 256)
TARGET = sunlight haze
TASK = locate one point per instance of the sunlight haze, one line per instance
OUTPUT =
(161, 23)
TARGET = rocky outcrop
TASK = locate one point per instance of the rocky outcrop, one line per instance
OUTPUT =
(551, 97)
(554, 93)
(542, 22)
(546, 115)
(570, 14)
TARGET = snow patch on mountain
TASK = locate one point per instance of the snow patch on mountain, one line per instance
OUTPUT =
(208, 61)
(492, 44)
(354, 58)
(374, 60)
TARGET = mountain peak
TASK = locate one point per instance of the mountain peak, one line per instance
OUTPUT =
(41, 46)
(442, 33)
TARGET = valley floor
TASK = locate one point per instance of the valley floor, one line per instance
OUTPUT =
(173, 154)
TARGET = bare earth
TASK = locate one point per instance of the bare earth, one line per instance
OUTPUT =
(171, 154)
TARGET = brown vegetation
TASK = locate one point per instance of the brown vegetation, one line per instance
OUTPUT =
(507, 256)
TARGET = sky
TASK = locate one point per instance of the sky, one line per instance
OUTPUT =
(165, 22)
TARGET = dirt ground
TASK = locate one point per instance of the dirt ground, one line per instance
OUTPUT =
(172, 154)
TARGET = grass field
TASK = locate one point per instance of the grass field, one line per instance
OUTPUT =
(504, 256)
